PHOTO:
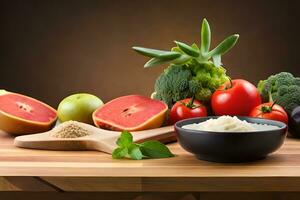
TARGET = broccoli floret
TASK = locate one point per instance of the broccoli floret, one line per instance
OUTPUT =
(297, 81)
(271, 85)
(194, 86)
(176, 83)
(283, 88)
(288, 97)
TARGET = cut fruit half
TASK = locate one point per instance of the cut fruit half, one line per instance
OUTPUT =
(20, 114)
(132, 113)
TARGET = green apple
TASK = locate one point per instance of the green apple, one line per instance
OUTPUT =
(78, 107)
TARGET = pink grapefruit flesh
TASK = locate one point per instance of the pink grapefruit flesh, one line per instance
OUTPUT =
(133, 113)
(26, 108)
(20, 114)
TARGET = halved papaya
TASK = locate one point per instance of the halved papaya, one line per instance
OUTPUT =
(20, 114)
(132, 113)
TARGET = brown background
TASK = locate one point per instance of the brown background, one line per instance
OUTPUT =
(50, 49)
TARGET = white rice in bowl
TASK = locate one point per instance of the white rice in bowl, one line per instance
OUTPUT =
(228, 124)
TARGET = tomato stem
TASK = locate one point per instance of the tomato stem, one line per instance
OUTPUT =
(268, 109)
(190, 104)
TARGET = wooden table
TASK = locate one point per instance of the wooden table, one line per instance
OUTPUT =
(82, 171)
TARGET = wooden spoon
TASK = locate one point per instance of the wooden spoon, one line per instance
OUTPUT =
(99, 139)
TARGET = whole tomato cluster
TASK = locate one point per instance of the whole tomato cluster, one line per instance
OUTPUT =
(236, 98)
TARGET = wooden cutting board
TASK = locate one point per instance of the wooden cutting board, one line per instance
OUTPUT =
(99, 139)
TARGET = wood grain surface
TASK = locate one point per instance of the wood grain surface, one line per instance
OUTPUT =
(96, 171)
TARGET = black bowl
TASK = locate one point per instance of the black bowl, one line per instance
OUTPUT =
(231, 146)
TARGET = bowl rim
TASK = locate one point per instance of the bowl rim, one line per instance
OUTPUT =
(281, 126)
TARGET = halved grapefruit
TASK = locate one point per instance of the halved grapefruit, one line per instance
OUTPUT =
(132, 113)
(20, 114)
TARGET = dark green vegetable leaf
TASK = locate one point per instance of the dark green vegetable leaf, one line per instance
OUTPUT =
(120, 152)
(155, 149)
(125, 139)
(188, 49)
(225, 45)
(205, 36)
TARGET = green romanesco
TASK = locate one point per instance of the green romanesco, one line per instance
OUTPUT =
(211, 77)
(283, 88)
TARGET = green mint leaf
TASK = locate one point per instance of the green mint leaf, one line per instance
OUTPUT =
(187, 49)
(125, 139)
(149, 149)
(135, 152)
(155, 149)
(205, 36)
(120, 153)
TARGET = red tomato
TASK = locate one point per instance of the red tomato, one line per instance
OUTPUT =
(236, 97)
(270, 111)
(185, 109)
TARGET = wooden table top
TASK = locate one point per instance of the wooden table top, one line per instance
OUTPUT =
(66, 169)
